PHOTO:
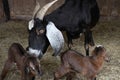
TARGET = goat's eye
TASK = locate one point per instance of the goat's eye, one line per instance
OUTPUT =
(41, 31)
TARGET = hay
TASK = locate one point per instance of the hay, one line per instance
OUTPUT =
(106, 33)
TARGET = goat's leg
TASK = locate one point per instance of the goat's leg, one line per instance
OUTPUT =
(33, 78)
(91, 41)
(7, 66)
(86, 49)
(23, 76)
(94, 78)
(88, 41)
(69, 38)
(61, 71)
(70, 76)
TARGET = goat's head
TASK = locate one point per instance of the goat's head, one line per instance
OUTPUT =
(32, 66)
(41, 33)
(101, 52)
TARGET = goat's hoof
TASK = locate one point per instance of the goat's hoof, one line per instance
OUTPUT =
(70, 46)
(54, 54)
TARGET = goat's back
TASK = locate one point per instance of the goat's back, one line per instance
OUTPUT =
(71, 56)
(16, 49)
(76, 61)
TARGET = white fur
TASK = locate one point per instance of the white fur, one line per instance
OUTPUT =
(99, 46)
(31, 24)
(55, 37)
(35, 52)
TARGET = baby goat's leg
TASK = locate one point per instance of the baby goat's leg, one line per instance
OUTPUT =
(70, 76)
(61, 71)
(94, 78)
(7, 66)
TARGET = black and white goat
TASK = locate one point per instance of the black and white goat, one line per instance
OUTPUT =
(74, 17)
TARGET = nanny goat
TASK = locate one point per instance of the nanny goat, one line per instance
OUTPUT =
(74, 17)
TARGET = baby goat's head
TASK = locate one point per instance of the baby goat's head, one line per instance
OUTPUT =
(32, 66)
(101, 52)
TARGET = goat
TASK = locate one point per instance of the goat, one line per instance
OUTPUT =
(74, 62)
(27, 64)
(74, 17)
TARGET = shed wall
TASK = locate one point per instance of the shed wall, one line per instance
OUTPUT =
(23, 9)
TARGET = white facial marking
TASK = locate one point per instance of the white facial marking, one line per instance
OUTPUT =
(31, 24)
(35, 52)
(99, 46)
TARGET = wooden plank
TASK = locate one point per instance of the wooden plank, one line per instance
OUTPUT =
(21, 8)
(1, 11)
(109, 7)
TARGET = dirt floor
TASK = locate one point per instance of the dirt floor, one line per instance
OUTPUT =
(106, 33)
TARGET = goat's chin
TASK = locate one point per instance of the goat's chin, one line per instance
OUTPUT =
(35, 52)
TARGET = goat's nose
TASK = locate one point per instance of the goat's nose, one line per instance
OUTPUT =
(107, 59)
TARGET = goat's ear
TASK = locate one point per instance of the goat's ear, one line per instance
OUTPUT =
(55, 38)
(32, 65)
(31, 24)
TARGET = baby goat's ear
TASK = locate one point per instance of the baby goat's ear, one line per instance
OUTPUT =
(97, 49)
(29, 67)
(32, 66)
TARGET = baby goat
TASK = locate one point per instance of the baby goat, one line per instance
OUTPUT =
(27, 64)
(74, 62)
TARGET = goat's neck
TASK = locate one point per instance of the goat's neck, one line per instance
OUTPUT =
(97, 62)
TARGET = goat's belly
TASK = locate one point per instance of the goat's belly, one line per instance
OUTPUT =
(75, 35)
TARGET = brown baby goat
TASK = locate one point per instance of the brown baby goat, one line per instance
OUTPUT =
(27, 64)
(74, 62)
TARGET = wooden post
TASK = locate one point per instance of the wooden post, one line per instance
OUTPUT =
(6, 9)
(1, 11)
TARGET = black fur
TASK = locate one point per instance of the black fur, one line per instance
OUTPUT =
(74, 17)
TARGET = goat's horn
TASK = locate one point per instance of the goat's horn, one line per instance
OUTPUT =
(37, 7)
(42, 12)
